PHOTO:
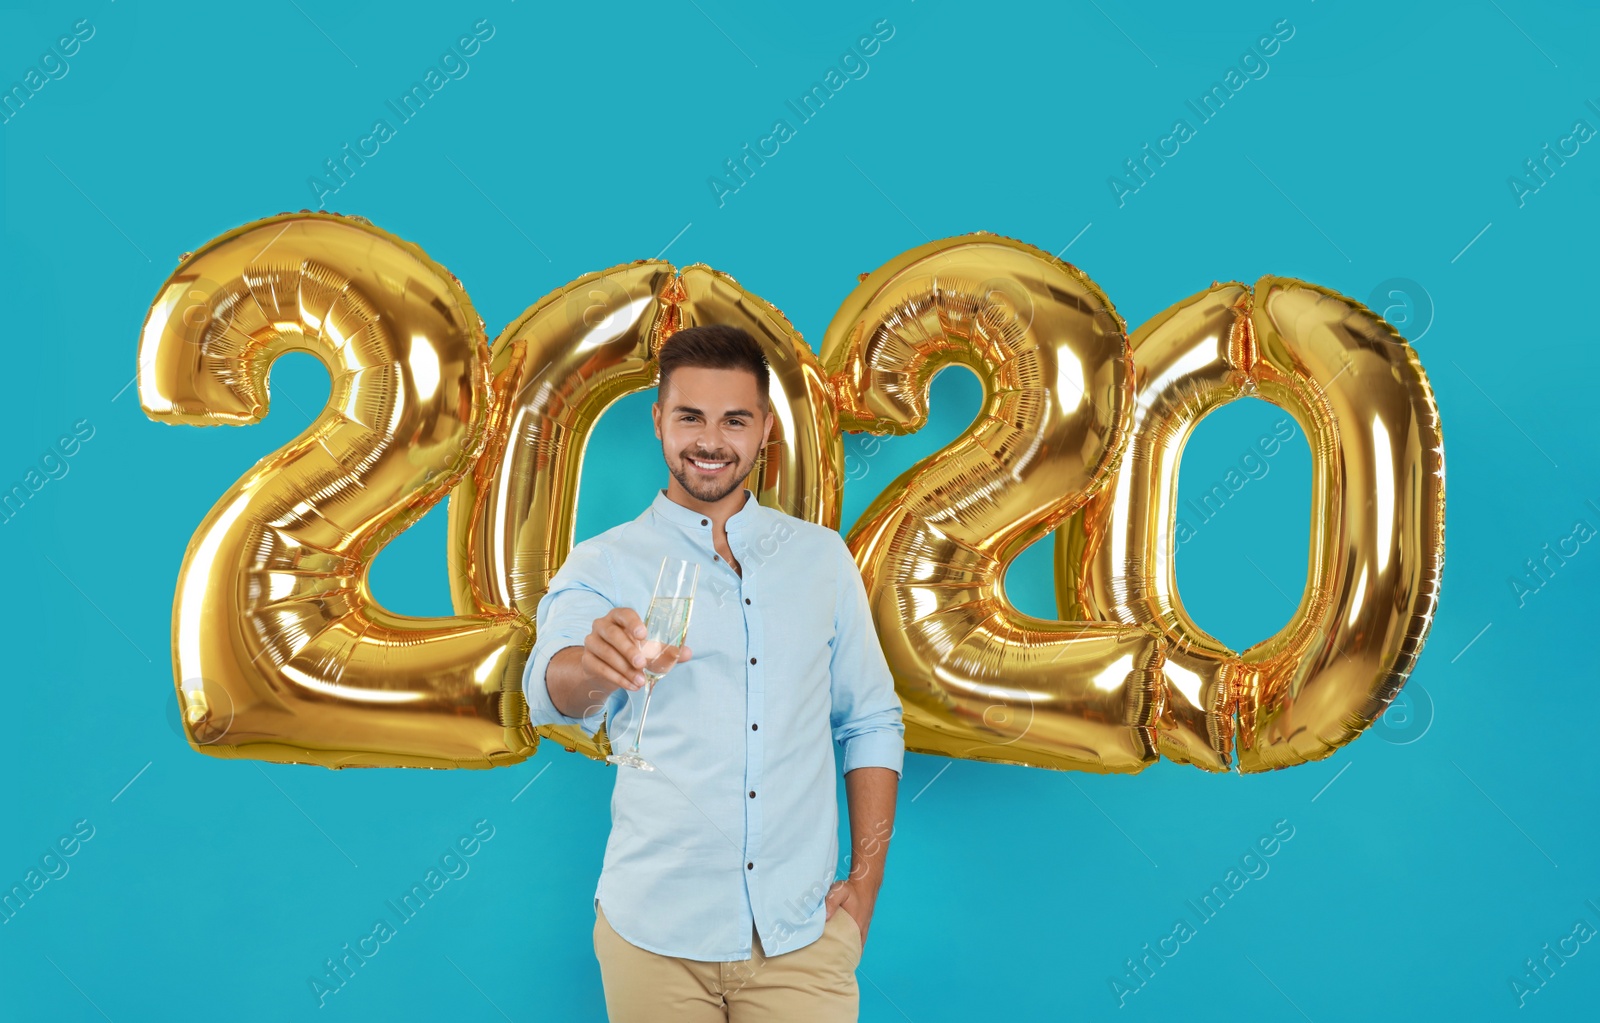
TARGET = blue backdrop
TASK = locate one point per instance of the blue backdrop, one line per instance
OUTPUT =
(1437, 167)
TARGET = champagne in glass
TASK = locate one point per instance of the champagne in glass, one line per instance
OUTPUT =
(666, 624)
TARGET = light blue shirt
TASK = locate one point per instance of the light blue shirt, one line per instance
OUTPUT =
(739, 823)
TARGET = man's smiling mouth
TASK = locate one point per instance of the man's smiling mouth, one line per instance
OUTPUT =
(709, 467)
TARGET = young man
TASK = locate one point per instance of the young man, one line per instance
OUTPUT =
(717, 899)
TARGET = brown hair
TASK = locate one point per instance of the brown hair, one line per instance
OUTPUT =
(714, 346)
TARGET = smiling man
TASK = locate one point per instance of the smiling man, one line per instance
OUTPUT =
(719, 897)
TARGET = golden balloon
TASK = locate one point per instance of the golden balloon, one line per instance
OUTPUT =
(557, 368)
(1358, 391)
(280, 651)
(977, 678)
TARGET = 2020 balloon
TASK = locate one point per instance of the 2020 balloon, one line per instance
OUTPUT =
(281, 653)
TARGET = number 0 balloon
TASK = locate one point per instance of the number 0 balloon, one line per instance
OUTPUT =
(280, 652)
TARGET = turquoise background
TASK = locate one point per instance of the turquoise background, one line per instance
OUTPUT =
(1430, 859)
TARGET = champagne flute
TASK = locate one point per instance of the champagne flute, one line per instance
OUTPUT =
(666, 624)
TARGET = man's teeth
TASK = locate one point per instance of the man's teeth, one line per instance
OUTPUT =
(708, 465)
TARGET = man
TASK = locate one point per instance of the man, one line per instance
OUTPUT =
(717, 899)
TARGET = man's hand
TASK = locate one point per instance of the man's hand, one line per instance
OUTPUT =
(856, 898)
(613, 650)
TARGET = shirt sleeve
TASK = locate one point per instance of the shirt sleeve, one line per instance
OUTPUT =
(578, 594)
(866, 716)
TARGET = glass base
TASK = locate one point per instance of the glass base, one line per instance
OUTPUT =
(630, 760)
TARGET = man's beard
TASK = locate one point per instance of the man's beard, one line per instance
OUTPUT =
(708, 490)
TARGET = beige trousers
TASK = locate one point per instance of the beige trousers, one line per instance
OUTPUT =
(815, 984)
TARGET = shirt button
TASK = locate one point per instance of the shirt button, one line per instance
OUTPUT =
(752, 793)
(752, 660)
(747, 600)
(702, 522)
(749, 866)
(754, 726)
(715, 557)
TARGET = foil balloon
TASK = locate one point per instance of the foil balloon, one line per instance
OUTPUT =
(279, 650)
(1358, 391)
(557, 368)
(978, 679)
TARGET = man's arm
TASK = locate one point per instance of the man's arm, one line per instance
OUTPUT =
(870, 792)
(866, 714)
(556, 691)
(866, 721)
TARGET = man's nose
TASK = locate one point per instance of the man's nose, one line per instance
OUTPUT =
(713, 439)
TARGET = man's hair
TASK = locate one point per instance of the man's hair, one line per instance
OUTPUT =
(714, 346)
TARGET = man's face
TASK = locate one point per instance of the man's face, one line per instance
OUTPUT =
(712, 417)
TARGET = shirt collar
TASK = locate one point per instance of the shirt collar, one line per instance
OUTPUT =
(672, 511)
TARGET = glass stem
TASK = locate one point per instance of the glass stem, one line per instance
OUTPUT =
(650, 691)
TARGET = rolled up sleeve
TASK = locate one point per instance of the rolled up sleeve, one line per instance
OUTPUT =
(578, 594)
(866, 716)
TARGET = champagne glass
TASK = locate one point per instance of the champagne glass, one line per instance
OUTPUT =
(666, 624)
